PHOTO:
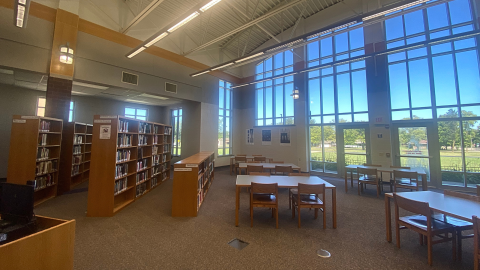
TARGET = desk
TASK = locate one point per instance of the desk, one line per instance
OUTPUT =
(351, 168)
(268, 166)
(284, 182)
(232, 161)
(448, 205)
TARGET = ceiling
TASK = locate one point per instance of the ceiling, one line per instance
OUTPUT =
(220, 20)
(36, 81)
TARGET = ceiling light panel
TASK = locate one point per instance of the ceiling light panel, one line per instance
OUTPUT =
(209, 5)
(184, 21)
(141, 49)
(157, 39)
(394, 9)
(249, 57)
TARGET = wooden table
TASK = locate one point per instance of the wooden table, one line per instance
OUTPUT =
(284, 182)
(267, 166)
(232, 161)
(351, 168)
(448, 205)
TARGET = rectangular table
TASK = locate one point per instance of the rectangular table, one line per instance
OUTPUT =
(351, 168)
(284, 182)
(448, 205)
(268, 166)
(232, 161)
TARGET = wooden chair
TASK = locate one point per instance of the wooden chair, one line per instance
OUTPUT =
(242, 155)
(391, 175)
(308, 196)
(423, 224)
(260, 159)
(368, 176)
(259, 173)
(254, 168)
(238, 160)
(476, 242)
(404, 179)
(278, 162)
(283, 170)
(264, 195)
(478, 190)
(256, 155)
(299, 174)
(292, 191)
(371, 165)
(460, 225)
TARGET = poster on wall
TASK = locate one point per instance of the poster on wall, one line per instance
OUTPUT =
(250, 136)
(285, 136)
(266, 137)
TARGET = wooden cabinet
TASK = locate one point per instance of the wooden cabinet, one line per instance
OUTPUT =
(192, 179)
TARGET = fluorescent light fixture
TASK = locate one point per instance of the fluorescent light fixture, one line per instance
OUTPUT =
(79, 93)
(249, 57)
(195, 75)
(141, 49)
(6, 71)
(394, 9)
(184, 21)
(240, 85)
(285, 45)
(20, 15)
(157, 39)
(23, 2)
(226, 65)
(209, 5)
(332, 29)
(152, 96)
(137, 101)
(295, 94)
(90, 85)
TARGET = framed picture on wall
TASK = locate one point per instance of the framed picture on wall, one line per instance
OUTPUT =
(250, 136)
(266, 137)
(285, 136)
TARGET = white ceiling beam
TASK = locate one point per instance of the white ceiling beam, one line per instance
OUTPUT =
(140, 16)
(247, 25)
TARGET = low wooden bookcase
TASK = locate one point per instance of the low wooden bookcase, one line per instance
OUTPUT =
(129, 158)
(192, 179)
(35, 144)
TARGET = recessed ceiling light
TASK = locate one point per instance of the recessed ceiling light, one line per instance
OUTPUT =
(90, 85)
(152, 96)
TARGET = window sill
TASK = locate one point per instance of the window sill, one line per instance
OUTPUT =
(275, 126)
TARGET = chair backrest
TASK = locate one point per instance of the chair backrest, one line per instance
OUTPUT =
(478, 190)
(242, 155)
(240, 159)
(254, 168)
(371, 165)
(264, 188)
(255, 158)
(421, 208)
(311, 189)
(413, 176)
(278, 162)
(461, 195)
(259, 173)
(257, 155)
(283, 169)
(367, 171)
(399, 167)
(299, 174)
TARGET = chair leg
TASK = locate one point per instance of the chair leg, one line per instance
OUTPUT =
(358, 189)
(316, 213)
(459, 244)
(429, 244)
(276, 216)
(289, 199)
(324, 218)
(454, 246)
(378, 191)
(299, 222)
(421, 239)
(251, 215)
(397, 232)
(273, 211)
(293, 210)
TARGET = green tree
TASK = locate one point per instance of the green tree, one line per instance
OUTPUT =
(449, 131)
(315, 136)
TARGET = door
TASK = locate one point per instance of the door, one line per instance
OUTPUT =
(353, 145)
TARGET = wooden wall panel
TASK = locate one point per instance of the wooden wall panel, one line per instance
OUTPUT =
(66, 29)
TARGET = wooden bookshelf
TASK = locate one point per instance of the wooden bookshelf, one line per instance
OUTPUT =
(124, 163)
(75, 156)
(191, 181)
(35, 144)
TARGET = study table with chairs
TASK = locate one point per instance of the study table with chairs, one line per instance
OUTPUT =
(237, 159)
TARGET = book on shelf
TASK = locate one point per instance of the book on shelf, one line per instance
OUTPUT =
(44, 126)
(154, 150)
(165, 148)
(164, 158)
(156, 159)
(78, 139)
(43, 153)
(142, 176)
(77, 149)
(154, 181)
(144, 128)
(124, 140)
(46, 167)
(142, 164)
(121, 170)
(141, 189)
(43, 140)
(77, 160)
(123, 155)
(75, 169)
(139, 153)
(155, 139)
(168, 131)
(164, 176)
(43, 181)
(165, 140)
(122, 126)
(142, 140)
(120, 185)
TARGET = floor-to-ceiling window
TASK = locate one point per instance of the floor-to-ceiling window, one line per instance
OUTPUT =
(224, 119)
(274, 105)
(337, 95)
(177, 131)
(437, 83)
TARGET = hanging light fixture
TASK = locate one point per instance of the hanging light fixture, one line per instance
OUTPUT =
(66, 54)
(295, 94)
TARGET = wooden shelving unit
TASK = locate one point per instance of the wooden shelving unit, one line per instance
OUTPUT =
(127, 161)
(75, 156)
(191, 181)
(35, 145)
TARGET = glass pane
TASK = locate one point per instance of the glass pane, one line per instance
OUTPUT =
(345, 118)
(439, 34)
(41, 112)
(260, 122)
(394, 28)
(416, 164)
(313, 74)
(471, 111)
(221, 98)
(444, 80)
(459, 11)
(71, 105)
(278, 61)
(70, 116)
(268, 64)
(227, 132)
(314, 96)
(313, 51)
(141, 112)
(468, 77)
(450, 152)
(419, 83)
(260, 104)
(398, 86)
(445, 47)
(473, 179)
(471, 135)
(129, 111)
(316, 152)
(416, 39)
(288, 58)
(142, 118)
(180, 114)
(464, 43)
(328, 95)
(342, 68)
(289, 121)
(315, 120)
(413, 141)
(41, 102)
(227, 100)
(326, 47)
(330, 148)
(259, 68)
(414, 22)
(401, 115)
(354, 141)
(462, 29)
(279, 101)
(360, 117)
(268, 102)
(396, 57)
(289, 110)
(422, 114)
(220, 132)
(343, 90)
(417, 53)
(358, 64)
(356, 38)
(437, 16)
(329, 119)
(451, 112)
(359, 87)
(268, 122)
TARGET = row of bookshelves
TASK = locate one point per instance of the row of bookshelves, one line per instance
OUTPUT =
(128, 126)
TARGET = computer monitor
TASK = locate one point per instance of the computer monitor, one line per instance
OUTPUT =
(16, 202)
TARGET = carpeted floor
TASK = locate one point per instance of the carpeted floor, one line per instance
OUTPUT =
(145, 236)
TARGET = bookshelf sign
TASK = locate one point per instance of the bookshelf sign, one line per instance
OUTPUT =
(19, 121)
(191, 165)
(105, 131)
(183, 169)
(108, 116)
(30, 117)
(102, 121)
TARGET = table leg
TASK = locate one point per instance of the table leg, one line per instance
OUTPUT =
(231, 166)
(237, 204)
(424, 182)
(346, 181)
(351, 178)
(334, 207)
(388, 221)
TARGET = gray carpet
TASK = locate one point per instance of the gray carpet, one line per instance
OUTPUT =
(145, 236)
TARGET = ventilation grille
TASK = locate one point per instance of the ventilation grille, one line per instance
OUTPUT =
(129, 78)
(170, 87)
